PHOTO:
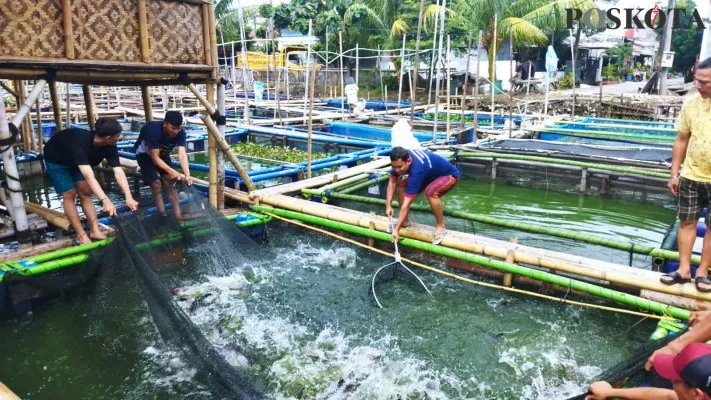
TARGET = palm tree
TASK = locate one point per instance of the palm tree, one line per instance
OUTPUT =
(530, 21)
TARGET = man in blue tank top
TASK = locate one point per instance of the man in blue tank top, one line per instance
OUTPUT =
(153, 147)
(414, 171)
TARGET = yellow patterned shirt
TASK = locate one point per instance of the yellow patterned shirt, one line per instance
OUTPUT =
(695, 117)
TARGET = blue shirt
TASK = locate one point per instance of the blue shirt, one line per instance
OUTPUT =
(426, 167)
(152, 137)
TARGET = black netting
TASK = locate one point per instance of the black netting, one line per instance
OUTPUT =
(631, 372)
(166, 255)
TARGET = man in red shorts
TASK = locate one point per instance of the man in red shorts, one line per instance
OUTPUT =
(413, 170)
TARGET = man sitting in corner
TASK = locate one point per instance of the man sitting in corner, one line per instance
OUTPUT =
(153, 146)
(413, 170)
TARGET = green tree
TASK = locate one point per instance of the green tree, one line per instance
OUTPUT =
(529, 21)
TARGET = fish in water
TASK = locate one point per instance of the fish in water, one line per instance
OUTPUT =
(237, 354)
(497, 336)
(196, 303)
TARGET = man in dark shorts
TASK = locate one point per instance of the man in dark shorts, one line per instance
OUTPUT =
(69, 157)
(691, 184)
(412, 172)
(153, 146)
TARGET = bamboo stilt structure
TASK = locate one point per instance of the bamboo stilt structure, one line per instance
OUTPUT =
(89, 104)
(56, 109)
(213, 131)
(433, 60)
(203, 101)
(311, 122)
(147, 102)
(466, 79)
(416, 66)
(220, 156)
(213, 41)
(68, 29)
(206, 34)
(21, 122)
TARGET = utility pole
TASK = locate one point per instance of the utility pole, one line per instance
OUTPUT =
(666, 46)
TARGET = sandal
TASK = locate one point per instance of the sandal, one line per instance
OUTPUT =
(706, 281)
(438, 236)
(673, 279)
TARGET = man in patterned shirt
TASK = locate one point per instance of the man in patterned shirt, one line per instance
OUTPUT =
(691, 183)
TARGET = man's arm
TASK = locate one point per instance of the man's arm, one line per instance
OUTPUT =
(123, 183)
(681, 143)
(700, 333)
(392, 185)
(603, 390)
(158, 162)
(184, 164)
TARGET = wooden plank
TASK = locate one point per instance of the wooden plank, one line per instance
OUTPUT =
(321, 180)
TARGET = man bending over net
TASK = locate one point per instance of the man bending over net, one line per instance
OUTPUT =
(153, 147)
(689, 371)
(69, 157)
(412, 172)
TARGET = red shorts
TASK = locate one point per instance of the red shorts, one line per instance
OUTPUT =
(437, 188)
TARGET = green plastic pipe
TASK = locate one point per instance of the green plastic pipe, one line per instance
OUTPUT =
(599, 291)
(605, 167)
(557, 232)
(69, 251)
(364, 185)
(657, 139)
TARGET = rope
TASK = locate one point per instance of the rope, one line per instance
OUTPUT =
(474, 282)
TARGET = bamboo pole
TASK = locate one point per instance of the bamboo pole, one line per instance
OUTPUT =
(325, 72)
(307, 82)
(56, 108)
(382, 85)
(449, 86)
(213, 131)
(340, 44)
(13, 181)
(147, 102)
(20, 121)
(416, 66)
(559, 280)
(38, 143)
(357, 69)
(6, 393)
(439, 59)
(492, 79)
(511, 65)
(220, 156)
(213, 43)
(69, 106)
(89, 104)
(206, 33)
(203, 101)
(243, 42)
(433, 60)
(402, 71)
(311, 121)
(211, 151)
(476, 85)
(466, 80)
(68, 29)
(143, 31)
(572, 60)
(54, 218)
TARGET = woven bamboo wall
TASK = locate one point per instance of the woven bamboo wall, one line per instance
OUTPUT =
(103, 31)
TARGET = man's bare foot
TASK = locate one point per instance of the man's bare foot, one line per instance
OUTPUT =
(82, 238)
(97, 235)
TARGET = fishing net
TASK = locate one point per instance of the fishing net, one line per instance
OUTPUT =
(631, 372)
(166, 255)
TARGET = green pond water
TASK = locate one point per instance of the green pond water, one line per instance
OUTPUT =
(301, 313)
